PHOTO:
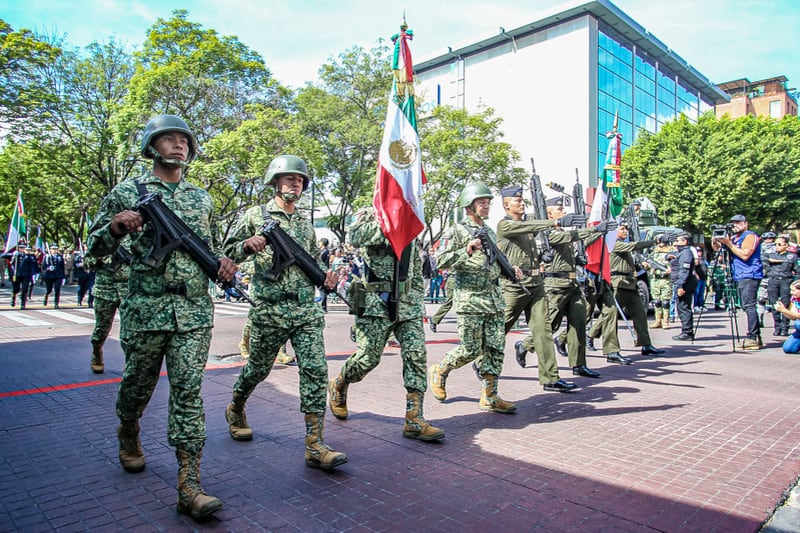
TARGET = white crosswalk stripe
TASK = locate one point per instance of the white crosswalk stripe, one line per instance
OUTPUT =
(69, 317)
(25, 319)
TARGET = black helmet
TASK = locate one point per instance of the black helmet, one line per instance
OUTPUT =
(287, 164)
(163, 124)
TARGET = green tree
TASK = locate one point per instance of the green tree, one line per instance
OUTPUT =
(698, 174)
(21, 54)
(460, 147)
(345, 114)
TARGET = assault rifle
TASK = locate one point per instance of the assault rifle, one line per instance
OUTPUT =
(653, 263)
(580, 207)
(286, 252)
(170, 233)
(122, 256)
(495, 255)
(546, 254)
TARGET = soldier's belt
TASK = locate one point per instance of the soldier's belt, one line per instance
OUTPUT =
(385, 286)
(618, 273)
(560, 275)
(154, 288)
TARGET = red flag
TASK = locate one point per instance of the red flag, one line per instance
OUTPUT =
(398, 185)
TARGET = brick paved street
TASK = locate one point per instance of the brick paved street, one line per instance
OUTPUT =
(701, 439)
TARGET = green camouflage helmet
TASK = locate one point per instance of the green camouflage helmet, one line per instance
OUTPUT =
(163, 124)
(472, 192)
(287, 164)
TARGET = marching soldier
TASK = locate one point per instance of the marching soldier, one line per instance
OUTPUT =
(285, 311)
(373, 326)
(623, 279)
(168, 313)
(516, 235)
(478, 302)
(564, 294)
(54, 273)
(110, 289)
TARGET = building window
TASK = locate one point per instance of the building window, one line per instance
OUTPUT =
(775, 109)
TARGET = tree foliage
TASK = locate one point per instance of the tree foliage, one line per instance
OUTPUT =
(698, 174)
(345, 114)
(460, 147)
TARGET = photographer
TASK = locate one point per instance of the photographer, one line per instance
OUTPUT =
(747, 273)
(682, 267)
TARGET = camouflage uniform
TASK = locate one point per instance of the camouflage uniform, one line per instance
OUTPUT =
(110, 289)
(660, 285)
(373, 326)
(168, 312)
(285, 310)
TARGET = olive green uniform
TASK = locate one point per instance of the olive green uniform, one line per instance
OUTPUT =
(372, 324)
(516, 238)
(564, 293)
(285, 309)
(167, 313)
(623, 279)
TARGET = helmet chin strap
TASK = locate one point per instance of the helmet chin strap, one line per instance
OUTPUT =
(164, 161)
(289, 196)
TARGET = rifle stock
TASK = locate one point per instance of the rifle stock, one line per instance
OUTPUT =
(287, 252)
(540, 212)
(170, 233)
(495, 255)
(580, 208)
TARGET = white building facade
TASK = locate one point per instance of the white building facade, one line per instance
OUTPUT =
(558, 82)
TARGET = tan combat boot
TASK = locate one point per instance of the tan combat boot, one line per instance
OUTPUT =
(131, 455)
(416, 427)
(665, 320)
(237, 420)
(438, 375)
(337, 397)
(319, 454)
(191, 497)
(490, 400)
(97, 359)
(284, 358)
(657, 323)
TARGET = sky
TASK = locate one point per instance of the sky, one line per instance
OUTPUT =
(723, 39)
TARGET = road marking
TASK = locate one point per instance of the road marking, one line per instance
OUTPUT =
(69, 317)
(25, 319)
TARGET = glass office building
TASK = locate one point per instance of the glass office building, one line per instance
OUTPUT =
(558, 82)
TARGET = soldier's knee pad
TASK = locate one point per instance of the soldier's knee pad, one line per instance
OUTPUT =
(657, 304)
(762, 301)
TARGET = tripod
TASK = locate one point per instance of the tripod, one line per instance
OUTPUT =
(730, 294)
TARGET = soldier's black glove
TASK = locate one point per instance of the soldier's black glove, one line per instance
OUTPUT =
(572, 219)
(606, 225)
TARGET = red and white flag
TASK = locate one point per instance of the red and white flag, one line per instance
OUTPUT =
(398, 186)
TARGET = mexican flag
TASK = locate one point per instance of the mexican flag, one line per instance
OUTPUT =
(397, 198)
(607, 204)
(17, 228)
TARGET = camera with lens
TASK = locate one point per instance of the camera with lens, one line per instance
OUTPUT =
(721, 230)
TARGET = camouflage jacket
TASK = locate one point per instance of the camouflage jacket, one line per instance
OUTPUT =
(477, 288)
(516, 239)
(366, 234)
(292, 283)
(659, 254)
(151, 304)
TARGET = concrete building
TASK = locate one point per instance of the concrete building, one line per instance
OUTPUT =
(558, 81)
(762, 98)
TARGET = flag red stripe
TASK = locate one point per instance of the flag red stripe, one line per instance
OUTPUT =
(399, 222)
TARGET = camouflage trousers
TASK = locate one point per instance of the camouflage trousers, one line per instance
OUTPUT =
(186, 355)
(661, 291)
(302, 325)
(481, 336)
(104, 311)
(371, 336)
